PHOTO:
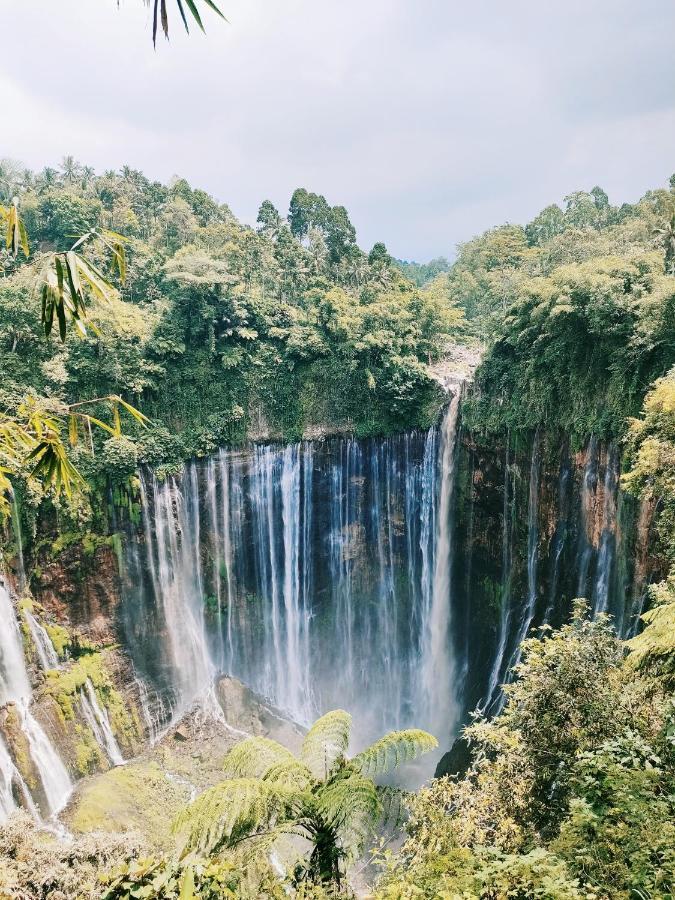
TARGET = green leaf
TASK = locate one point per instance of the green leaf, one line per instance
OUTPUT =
(187, 884)
(193, 9)
(326, 742)
(254, 757)
(136, 413)
(393, 750)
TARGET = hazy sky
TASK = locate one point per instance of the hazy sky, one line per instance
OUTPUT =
(430, 120)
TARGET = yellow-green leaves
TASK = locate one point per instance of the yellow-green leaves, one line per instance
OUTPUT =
(68, 278)
(16, 237)
(33, 442)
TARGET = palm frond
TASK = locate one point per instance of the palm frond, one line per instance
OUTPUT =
(393, 750)
(254, 757)
(326, 742)
(231, 811)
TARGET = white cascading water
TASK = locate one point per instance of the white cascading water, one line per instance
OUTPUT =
(175, 569)
(438, 664)
(12, 785)
(321, 575)
(532, 551)
(252, 565)
(96, 717)
(608, 532)
(47, 656)
(15, 688)
(493, 693)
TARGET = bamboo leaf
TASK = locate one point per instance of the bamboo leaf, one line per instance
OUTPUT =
(117, 425)
(195, 12)
(92, 420)
(182, 14)
(73, 432)
(136, 413)
(213, 6)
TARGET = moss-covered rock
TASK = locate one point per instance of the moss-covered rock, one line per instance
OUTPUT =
(137, 797)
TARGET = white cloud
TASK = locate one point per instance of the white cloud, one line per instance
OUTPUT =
(428, 121)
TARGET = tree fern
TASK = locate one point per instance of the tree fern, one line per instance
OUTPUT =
(350, 806)
(254, 756)
(290, 774)
(275, 802)
(326, 742)
(393, 750)
(231, 811)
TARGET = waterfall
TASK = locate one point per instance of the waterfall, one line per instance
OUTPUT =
(320, 578)
(608, 533)
(639, 586)
(171, 526)
(15, 688)
(55, 780)
(493, 692)
(44, 647)
(96, 717)
(327, 574)
(588, 488)
(11, 784)
(560, 535)
(529, 610)
(437, 660)
(16, 527)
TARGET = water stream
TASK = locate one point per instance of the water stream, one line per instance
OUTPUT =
(15, 689)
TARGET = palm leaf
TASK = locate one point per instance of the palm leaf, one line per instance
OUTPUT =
(254, 756)
(230, 812)
(393, 750)
(326, 742)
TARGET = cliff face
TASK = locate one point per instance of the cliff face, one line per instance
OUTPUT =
(537, 526)
(316, 574)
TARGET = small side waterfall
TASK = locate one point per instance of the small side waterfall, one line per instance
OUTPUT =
(493, 693)
(44, 647)
(532, 551)
(96, 717)
(13, 786)
(437, 661)
(15, 689)
(608, 532)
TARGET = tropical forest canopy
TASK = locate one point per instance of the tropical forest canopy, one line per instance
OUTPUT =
(219, 332)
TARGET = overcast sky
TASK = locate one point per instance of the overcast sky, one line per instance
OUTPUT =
(430, 120)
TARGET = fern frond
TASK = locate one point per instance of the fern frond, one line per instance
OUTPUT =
(393, 750)
(290, 774)
(350, 805)
(231, 811)
(394, 809)
(254, 756)
(326, 742)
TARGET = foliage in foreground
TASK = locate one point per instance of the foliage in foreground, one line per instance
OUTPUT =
(651, 477)
(35, 865)
(315, 811)
(570, 793)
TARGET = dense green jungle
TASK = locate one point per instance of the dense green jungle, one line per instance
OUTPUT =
(222, 334)
(325, 573)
